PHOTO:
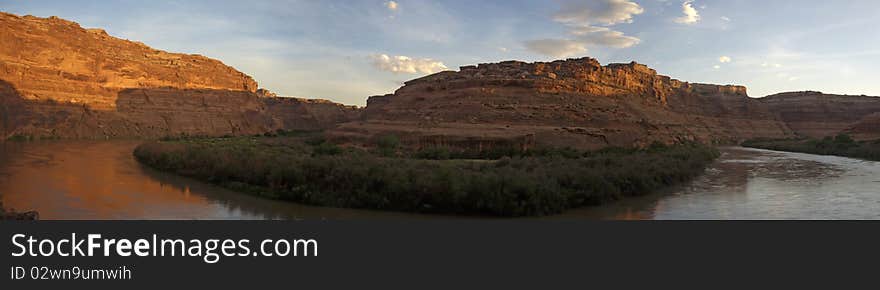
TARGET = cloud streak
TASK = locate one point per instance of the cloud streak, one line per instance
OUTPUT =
(691, 15)
(556, 47)
(405, 64)
(391, 5)
(587, 23)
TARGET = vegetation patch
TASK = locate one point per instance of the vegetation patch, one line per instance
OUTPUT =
(840, 145)
(432, 180)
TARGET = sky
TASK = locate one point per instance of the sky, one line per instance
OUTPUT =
(346, 51)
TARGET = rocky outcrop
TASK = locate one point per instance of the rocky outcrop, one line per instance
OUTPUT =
(575, 102)
(868, 128)
(60, 80)
(297, 114)
(814, 114)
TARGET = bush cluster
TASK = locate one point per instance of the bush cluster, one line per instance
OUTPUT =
(540, 182)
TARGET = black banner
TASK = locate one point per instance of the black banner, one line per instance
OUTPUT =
(442, 254)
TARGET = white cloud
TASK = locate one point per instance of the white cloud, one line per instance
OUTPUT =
(503, 49)
(556, 47)
(725, 18)
(724, 59)
(404, 64)
(586, 21)
(603, 12)
(691, 15)
(717, 67)
(391, 5)
(603, 36)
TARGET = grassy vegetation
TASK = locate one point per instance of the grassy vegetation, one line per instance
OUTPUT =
(840, 145)
(310, 170)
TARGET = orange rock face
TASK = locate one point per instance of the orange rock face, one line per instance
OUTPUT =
(60, 80)
(575, 102)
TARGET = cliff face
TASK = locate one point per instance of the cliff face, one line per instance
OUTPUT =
(60, 80)
(868, 128)
(575, 102)
(299, 114)
(817, 115)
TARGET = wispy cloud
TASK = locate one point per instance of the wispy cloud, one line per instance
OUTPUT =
(597, 12)
(405, 64)
(391, 5)
(691, 15)
(556, 47)
(587, 23)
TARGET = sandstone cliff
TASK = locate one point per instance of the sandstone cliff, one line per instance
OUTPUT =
(575, 102)
(814, 114)
(60, 80)
(298, 114)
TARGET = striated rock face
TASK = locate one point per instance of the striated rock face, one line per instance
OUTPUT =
(576, 102)
(817, 115)
(60, 80)
(868, 128)
(297, 114)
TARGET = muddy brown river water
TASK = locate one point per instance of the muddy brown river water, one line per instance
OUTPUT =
(101, 180)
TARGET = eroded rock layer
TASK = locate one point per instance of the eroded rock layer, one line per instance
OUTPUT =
(58, 79)
(298, 114)
(575, 102)
(814, 114)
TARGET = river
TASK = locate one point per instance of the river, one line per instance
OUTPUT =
(101, 180)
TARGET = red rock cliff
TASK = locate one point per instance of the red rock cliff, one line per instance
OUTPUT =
(575, 102)
(60, 80)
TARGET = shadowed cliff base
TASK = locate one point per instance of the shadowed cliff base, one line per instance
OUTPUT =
(139, 113)
(12, 109)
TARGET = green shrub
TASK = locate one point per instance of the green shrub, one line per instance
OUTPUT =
(536, 182)
(388, 145)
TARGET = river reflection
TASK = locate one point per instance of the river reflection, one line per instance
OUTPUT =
(760, 184)
(101, 180)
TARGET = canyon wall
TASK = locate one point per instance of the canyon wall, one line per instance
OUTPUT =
(59, 80)
(814, 114)
(298, 114)
(575, 102)
(69, 82)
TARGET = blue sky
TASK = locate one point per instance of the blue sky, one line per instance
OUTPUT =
(346, 51)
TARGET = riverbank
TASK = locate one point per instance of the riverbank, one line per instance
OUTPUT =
(841, 145)
(498, 182)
